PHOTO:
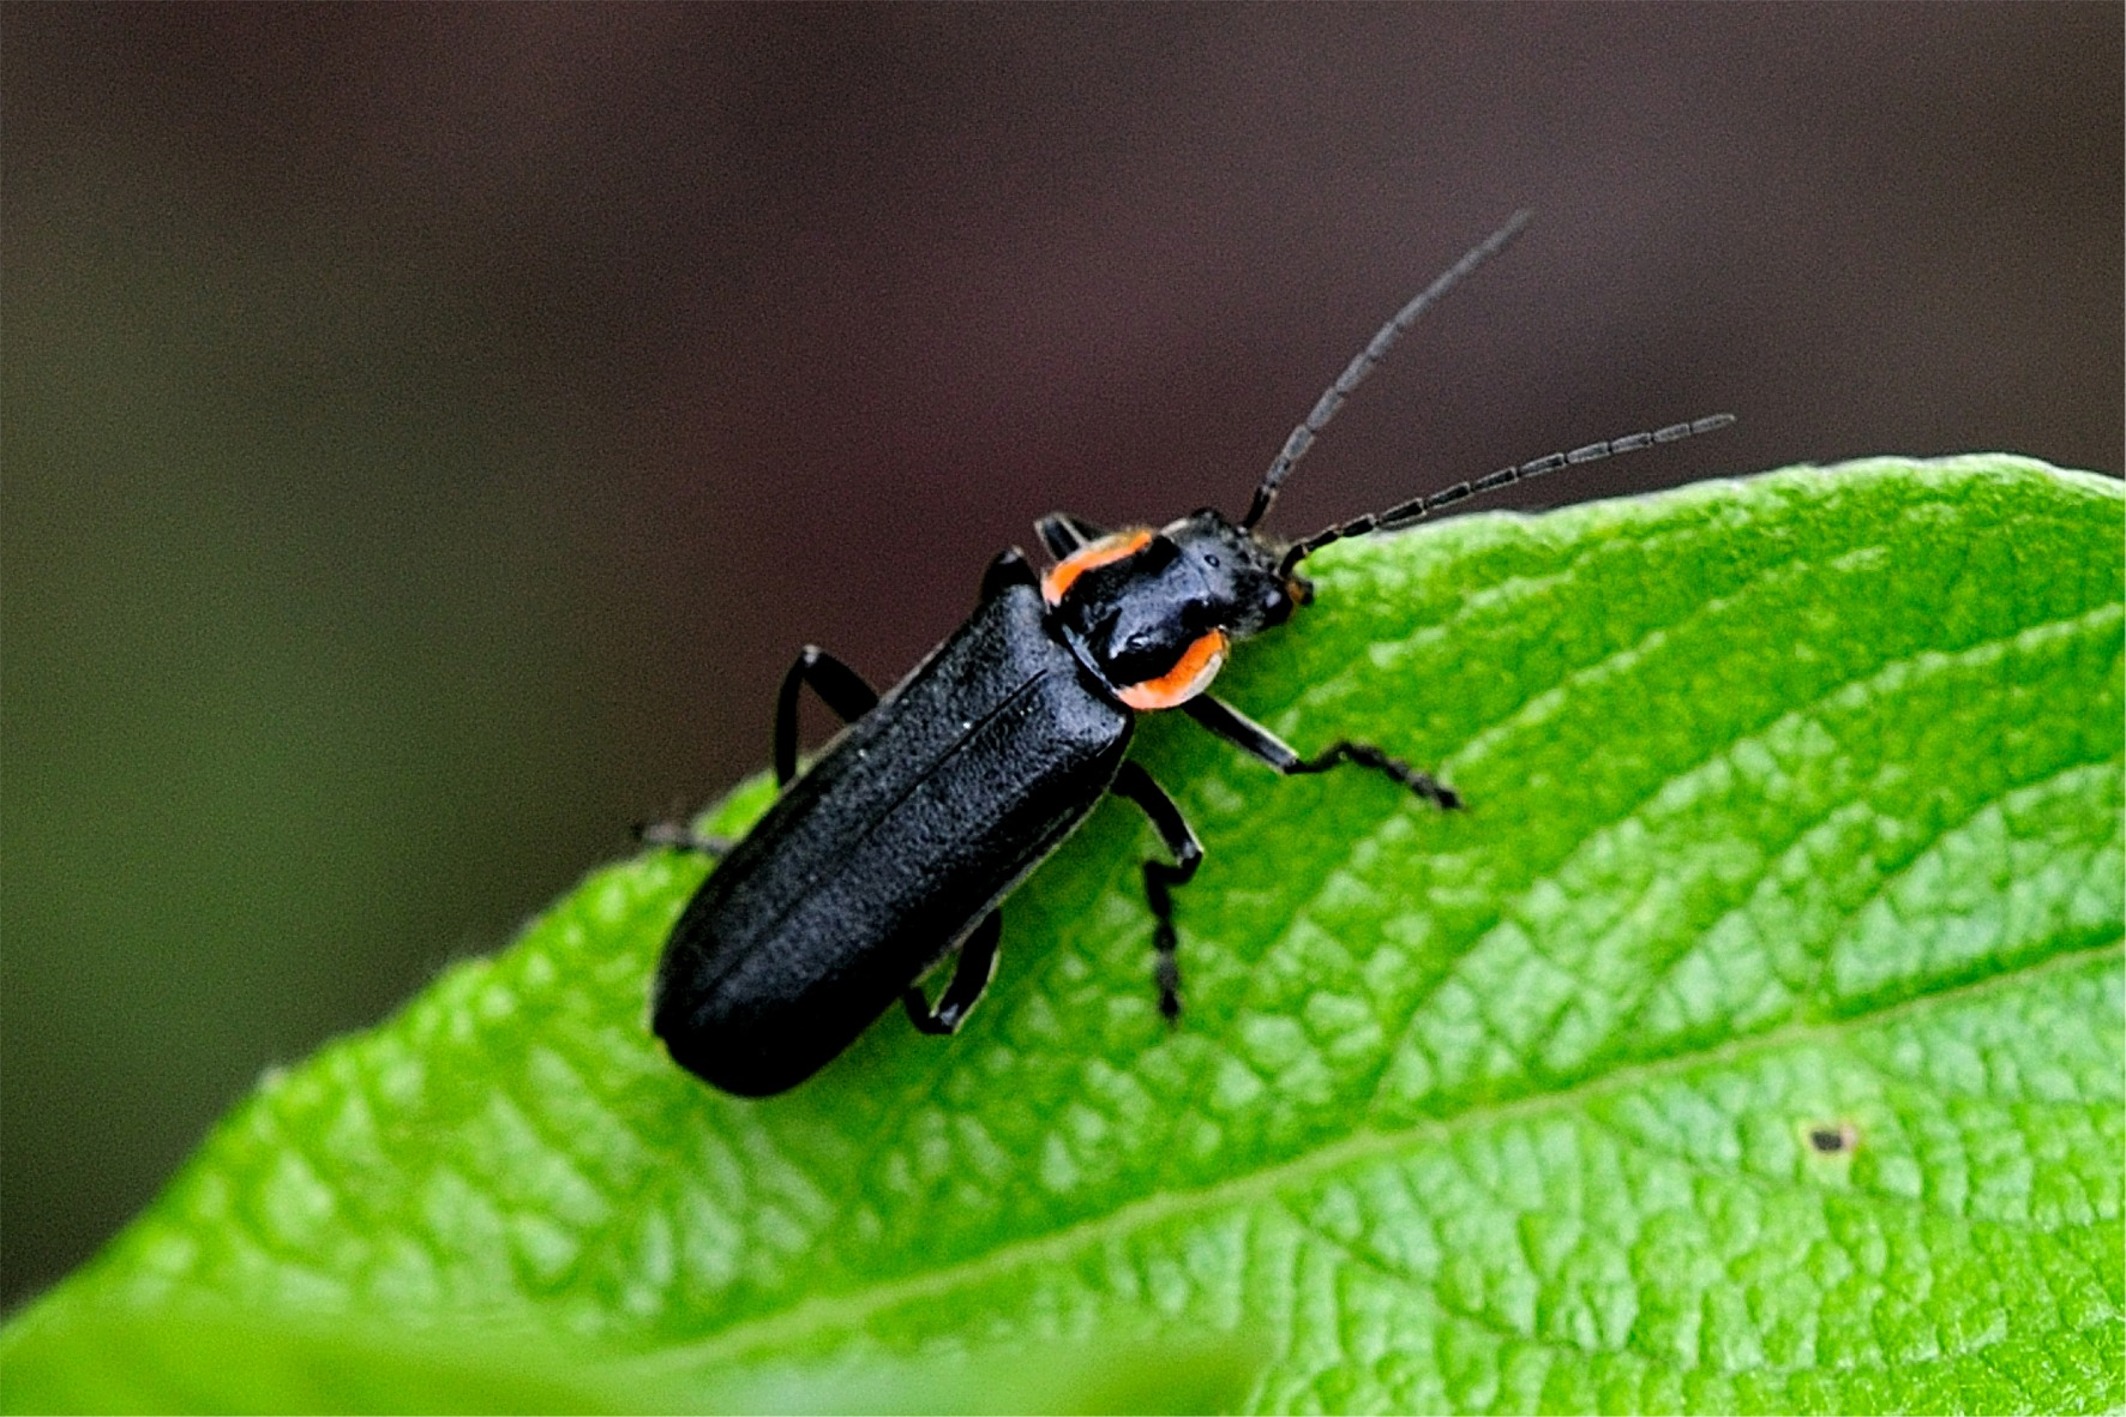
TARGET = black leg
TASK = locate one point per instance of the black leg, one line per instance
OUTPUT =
(1063, 533)
(1136, 784)
(1010, 568)
(838, 686)
(977, 964)
(1238, 729)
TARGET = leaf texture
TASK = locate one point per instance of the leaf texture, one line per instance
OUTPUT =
(1752, 1043)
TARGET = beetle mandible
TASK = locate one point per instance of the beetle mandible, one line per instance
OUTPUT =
(897, 846)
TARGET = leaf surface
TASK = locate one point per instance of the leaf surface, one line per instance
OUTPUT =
(1753, 1042)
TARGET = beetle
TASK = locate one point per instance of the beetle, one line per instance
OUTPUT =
(897, 846)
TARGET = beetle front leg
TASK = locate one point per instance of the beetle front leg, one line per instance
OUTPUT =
(838, 686)
(971, 974)
(1136, 784)
(1251, 737)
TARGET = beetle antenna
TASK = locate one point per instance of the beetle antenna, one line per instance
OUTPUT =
(1418, 508)
(1354, 374)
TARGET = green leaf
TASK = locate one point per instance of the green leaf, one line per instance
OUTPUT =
(1795, 823)
(192, 1357)
(195, 1356)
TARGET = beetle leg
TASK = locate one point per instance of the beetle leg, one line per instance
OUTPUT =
(971, 974)
(682, 835)
(1010, 568)
(1238, 729)
(1136, 784)
(1063, 533)
(838, 686)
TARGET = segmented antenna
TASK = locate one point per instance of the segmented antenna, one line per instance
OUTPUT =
(1418, 508)
(1354, 374)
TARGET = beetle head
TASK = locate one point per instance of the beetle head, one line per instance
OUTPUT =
(1236, 577)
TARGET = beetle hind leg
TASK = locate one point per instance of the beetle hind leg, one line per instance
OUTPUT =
(1160, 878)
(971, 974)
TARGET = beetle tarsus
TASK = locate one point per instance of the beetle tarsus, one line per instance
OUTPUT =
(1365, 755)
(682, 836)
(1167, 975)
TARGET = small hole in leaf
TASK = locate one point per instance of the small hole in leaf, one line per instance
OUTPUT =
(1833, 1138)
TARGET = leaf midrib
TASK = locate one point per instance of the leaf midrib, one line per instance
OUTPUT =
(846, 1309)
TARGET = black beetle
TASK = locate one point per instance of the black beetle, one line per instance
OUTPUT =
(898, 844)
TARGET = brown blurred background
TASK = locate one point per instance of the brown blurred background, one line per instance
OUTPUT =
(430, 431)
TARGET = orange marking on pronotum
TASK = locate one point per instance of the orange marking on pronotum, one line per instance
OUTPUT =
(1190, 676)
(1107, 549)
